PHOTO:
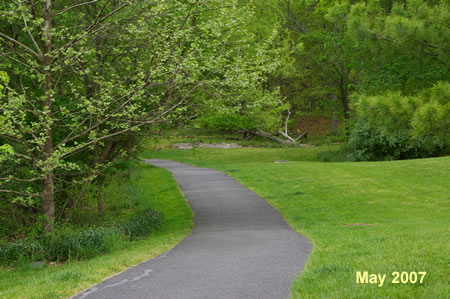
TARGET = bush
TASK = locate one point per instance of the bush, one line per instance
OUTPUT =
(395, 126)
(78, 245)
(368, 143)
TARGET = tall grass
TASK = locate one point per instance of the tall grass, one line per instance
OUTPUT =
(79, 245)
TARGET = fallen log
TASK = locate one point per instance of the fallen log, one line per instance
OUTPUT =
(260, 133)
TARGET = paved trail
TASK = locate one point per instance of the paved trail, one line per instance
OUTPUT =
(240, 247)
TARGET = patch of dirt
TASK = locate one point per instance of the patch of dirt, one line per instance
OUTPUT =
(282, 161)
(316, 126)
(184, 146)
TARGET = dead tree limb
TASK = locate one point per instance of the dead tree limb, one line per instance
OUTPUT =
(290, 141)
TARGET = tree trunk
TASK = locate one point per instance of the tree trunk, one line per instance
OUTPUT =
(334, 117)
(270, 136)
(343, 95)
(48, 202)
(48, 196)
(100, 199)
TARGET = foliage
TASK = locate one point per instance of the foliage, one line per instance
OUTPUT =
(393, 126)
(77, 245)
(245, 102)
(80, 245)
(404, 45)
(13, 251)
(141, 225)
(86, 80)
(251, 111)
(367, 143)
(317, 65)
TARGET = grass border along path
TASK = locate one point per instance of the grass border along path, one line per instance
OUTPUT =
(65, 280)
(379, 217)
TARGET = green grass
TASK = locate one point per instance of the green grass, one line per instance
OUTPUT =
(404, 203)
(160, 191)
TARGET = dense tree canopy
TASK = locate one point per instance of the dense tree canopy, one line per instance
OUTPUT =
(82, 80)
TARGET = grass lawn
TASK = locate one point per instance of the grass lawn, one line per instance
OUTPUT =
(65, 280)
(378, 217)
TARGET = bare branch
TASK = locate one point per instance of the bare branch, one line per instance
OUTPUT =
(32, 37)
(301, 136)
(18, 61)
(22, 180)
(6, 37)
(287, 136)
(23, 156)
(18, 192)
(73, 6)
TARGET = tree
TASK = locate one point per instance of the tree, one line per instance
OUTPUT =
(397, 126)
(85, 78)
(402, 109)
(405, 44)
(316, 72)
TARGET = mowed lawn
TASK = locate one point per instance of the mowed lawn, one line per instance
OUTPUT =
(379, 217)
(159, 191)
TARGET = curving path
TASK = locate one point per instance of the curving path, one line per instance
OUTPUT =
(240, 247)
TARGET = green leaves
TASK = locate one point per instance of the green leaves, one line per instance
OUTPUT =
(423, 121)
(115, 72)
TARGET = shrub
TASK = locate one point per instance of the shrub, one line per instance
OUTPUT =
(394, 126)
(368, 143)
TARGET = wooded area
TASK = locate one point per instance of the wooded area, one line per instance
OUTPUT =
(83, 82)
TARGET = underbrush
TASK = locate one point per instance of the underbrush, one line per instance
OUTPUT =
(126, 196)
(369, 143)
(83, 244)
(84, 232)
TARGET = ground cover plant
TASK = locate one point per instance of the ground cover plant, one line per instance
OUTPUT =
(82, 244)
(157, 190)
(379, 217)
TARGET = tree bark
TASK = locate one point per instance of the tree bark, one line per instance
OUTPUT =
(48, 196)
(270, 136)
(275, 138)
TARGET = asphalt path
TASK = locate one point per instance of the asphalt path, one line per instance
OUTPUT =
(240, 247)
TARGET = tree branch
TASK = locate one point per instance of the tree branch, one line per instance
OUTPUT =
(6, 37)
(32, 37)
(19, 193)
(73, 6)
